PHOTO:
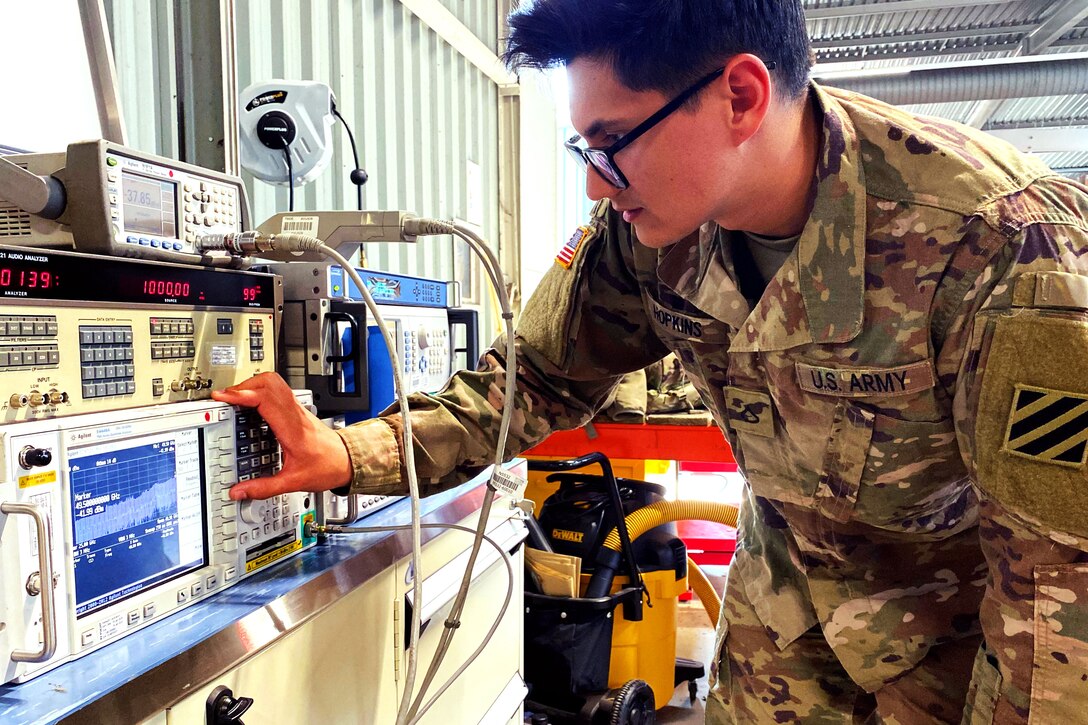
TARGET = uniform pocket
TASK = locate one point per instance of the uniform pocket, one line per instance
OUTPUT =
(844, 461)
(1061, 644)
(894, 474)
(914, 478)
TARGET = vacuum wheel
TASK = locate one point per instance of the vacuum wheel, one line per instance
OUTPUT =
(632, 704)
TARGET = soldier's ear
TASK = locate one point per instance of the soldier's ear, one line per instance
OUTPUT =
(746, 89)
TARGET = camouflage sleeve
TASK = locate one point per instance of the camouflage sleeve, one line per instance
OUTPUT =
(581, 330)
(1021, 408)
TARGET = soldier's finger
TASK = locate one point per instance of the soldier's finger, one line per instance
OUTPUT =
(260, 488)
(235, 396)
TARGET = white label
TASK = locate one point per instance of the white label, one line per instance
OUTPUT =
(44, 501)
(110, 627)
(503, 481)
(299, 225)
(224, 355)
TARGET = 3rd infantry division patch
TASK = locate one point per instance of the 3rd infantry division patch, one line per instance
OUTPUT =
(1049, 426)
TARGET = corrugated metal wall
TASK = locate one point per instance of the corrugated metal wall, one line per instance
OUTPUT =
(424, 118)
(479, 16)
(422, 115)
(142, 32)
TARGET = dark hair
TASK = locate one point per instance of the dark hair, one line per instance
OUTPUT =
(663, 45)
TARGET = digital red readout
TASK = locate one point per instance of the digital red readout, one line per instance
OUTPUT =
(27, 278)
(166, 287)
(250, 294)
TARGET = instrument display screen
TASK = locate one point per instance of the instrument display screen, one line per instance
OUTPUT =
(150, 205)
(137, 515)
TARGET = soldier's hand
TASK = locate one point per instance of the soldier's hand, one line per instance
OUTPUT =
(314, 456)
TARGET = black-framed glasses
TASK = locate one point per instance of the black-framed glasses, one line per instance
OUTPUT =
(603, 160)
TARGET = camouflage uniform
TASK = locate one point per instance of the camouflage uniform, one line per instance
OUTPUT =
(918, 367)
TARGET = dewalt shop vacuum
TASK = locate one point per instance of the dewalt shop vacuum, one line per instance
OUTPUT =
(608, 656)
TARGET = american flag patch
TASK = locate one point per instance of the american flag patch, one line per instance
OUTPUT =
(1049, 426)
(566, 255)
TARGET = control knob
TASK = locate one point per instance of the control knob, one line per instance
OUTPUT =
(254, 511)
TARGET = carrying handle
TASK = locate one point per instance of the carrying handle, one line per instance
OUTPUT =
(351, 355)
(352, 515)
(613, 493)
(470, 320)
(40, 582)
(354, 355)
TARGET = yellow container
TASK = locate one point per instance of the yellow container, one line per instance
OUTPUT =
(539, 489)
(646, 650)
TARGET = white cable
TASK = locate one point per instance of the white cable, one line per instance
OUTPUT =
(408, 447)
(250, 242)
(494, 626)
(421, 227)
(256, 242)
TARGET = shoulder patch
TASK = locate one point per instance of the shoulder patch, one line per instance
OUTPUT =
(1049, 426)
(566, 255)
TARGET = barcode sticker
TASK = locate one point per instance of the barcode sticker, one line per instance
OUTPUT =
(299, 225)
(505, 482)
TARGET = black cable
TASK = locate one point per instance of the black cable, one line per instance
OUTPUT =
(290, 179)
(357, 176)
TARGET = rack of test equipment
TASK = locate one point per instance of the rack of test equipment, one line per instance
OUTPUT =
(130, 582)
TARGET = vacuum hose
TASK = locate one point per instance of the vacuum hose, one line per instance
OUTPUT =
(644, 519)
(712, 603)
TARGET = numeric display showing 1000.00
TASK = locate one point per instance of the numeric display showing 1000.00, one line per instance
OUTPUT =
(166, 288)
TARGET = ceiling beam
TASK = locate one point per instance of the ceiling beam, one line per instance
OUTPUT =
(894, 6)
(884, 53)
(1048, 139)
(952, 34)
(1064, 16)
(1044, 123)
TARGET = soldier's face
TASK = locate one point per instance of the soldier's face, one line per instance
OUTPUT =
(680, 172)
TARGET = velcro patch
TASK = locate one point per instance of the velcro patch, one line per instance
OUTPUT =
(565, 258)
(865, 382)
(1049, 426)
(750, 411)
(1051, 289)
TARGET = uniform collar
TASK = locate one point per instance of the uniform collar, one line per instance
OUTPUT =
(818, 294)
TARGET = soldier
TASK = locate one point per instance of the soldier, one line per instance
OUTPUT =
(886, 315)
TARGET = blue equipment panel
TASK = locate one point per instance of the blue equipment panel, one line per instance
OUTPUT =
(393, 289)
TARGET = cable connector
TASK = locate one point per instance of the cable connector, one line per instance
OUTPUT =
(422, 227)
(254, 243)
